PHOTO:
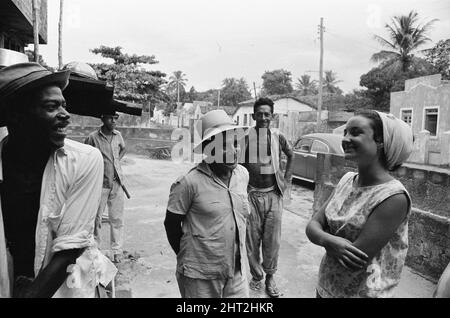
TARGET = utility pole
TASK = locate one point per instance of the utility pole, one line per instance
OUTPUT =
(319, 102)
(60, 29)
(254, 88)
(36, 29)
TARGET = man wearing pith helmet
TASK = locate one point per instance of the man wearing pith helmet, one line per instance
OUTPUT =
(206, 215)
(50, 189)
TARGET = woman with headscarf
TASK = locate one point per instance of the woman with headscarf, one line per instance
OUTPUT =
(364, 224)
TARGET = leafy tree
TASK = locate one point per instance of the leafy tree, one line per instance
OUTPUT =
(177, 81)
(330, 82)
(381, 81)
(192, 95)
(277, 82)
(131, 81)
(175, 91)
(405, 36)
(439, 57)
(210, 95)
(398, 64)
(306, 86)
(356, 100)
(234, 91)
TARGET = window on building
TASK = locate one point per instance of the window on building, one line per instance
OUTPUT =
(431, 120)
(406, 116)
(245, 119)
(237, 120)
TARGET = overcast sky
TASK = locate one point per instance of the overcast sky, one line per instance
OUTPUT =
(210, 40)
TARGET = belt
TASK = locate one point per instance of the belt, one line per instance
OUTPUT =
(264, 190)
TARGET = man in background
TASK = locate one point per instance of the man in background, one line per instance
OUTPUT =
(112, 146)
(267, 184)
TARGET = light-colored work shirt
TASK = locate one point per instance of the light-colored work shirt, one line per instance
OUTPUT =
(215, 225)
(346, 215)
(110, 150)
(70, 195)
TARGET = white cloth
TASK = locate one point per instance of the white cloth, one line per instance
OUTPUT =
(70, 195)
(398, 140)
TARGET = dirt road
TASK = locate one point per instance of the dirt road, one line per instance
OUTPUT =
(149, 270)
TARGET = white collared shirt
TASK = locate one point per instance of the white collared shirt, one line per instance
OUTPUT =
(70, 196)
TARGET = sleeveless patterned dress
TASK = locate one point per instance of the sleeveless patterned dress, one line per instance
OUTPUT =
(346, 214)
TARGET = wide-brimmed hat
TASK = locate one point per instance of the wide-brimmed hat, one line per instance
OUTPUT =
(19, 78)
(212, 123)
(24, 76)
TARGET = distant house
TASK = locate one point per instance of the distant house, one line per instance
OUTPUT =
(282, 106)
(425, 105)
(158, 115)
(16, 27)
(191, 111)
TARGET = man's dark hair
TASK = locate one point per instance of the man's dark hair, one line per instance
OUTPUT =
(263, 101)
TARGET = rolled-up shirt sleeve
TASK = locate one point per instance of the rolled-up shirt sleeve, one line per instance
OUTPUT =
(83, 198)
(180, 197)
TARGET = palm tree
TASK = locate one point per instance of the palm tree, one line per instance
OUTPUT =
(178, 79)
(306, 86)
(330, 82)
(405, 36)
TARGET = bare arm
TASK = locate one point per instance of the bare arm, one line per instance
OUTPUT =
(288, 172)
(122, 152)
(338, 247)
(382, 224)
(287, 149)
(50, 279)
(173, 225)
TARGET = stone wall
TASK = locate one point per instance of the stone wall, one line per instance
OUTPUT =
(125, 120)
(432, 151)
(138, 140)
(429, 225)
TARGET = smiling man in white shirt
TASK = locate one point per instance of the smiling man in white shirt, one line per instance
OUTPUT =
(50, 190)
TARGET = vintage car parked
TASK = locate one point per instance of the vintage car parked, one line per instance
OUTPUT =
(305, 153)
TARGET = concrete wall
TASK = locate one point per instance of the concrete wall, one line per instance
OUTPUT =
(125, 120)
(429, 151)
(429, 225)
(138, 140)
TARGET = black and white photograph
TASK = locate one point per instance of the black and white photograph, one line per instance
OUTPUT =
(257, 151)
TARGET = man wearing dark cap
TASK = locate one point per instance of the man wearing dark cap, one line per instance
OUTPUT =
(50, 189)
(112, 146)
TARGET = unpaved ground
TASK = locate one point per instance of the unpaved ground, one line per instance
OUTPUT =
(148, 269)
